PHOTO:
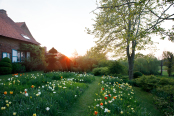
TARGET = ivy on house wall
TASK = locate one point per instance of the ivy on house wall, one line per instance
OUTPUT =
(37, 57)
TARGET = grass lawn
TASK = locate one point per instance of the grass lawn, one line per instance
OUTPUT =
(80, 107)
(28, 73)
(146, 100)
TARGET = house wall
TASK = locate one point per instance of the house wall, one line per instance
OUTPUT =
(7, 44)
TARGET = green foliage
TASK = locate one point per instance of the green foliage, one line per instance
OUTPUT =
(162, 88)
(5, 66)
(5, 70)
(6, 59)
(58, 96)
(84, 78)
(147, 65)
(123, 27)
(137, 74)
(37, 57)
(117, 99)
(18, 68)
(116, 68)
(147, 83)
(169, 61)
(100, 71)
(90, 60)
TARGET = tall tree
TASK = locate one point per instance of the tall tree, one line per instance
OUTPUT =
(124, 26)
(168, 61)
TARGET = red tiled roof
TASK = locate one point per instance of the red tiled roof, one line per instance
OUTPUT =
(10, 29)
(19, 23)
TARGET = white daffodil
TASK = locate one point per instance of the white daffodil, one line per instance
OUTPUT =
(26, 94)
(47, 108)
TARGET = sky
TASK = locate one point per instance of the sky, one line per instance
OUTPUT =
(61, 24)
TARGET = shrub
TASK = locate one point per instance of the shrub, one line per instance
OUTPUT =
(5, 66)
(96, 71)
(6, 60)
(164, 81)
(100, 71)
(116, 68)
(147, 83)
(18, 68)
(5, 70)
(137, 74)
(147, 65)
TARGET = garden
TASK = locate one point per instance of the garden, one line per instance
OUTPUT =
(94, 86)
(49, 94)
(55, 93)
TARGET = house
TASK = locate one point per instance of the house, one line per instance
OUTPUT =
(12, 34)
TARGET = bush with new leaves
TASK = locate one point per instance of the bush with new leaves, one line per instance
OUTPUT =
(100, 71)
(116, 67)
(5, 66)
(137, 74)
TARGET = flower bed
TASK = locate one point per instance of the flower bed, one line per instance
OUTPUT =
(47, 94)
(115, 98)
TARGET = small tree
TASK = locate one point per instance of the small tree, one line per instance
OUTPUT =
(168, 61)
(51, 60)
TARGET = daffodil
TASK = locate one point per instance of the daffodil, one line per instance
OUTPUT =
(47, 108)
(7, 105)
(14, 113)
(34, 114)
(26, 94)
(6, 101)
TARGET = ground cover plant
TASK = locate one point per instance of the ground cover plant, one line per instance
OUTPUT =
(84, 78)
(162, 88)
(39, 94)
(116, 98)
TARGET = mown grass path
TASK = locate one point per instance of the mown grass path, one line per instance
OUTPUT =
(146, 100)
(80, 108)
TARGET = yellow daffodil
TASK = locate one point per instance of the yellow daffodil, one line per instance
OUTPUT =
(34, 114)
(14, 113)
(7, 105)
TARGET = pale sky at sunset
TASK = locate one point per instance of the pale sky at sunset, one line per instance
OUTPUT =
(61, 23)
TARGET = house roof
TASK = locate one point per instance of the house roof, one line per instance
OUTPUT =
(18, 31)
(20, 23)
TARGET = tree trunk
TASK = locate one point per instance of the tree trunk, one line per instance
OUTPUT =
(161, 67)
(131, 66)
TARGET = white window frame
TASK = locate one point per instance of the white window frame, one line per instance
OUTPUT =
(5, 54)
(14, 55)
(28, 55)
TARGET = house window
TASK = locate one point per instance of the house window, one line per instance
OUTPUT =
(14, 55)
(5, 54)
(25, 36)
(19, 56)
(28, 54)
(22, 56)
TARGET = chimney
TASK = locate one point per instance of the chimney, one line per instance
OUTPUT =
(2, 11)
